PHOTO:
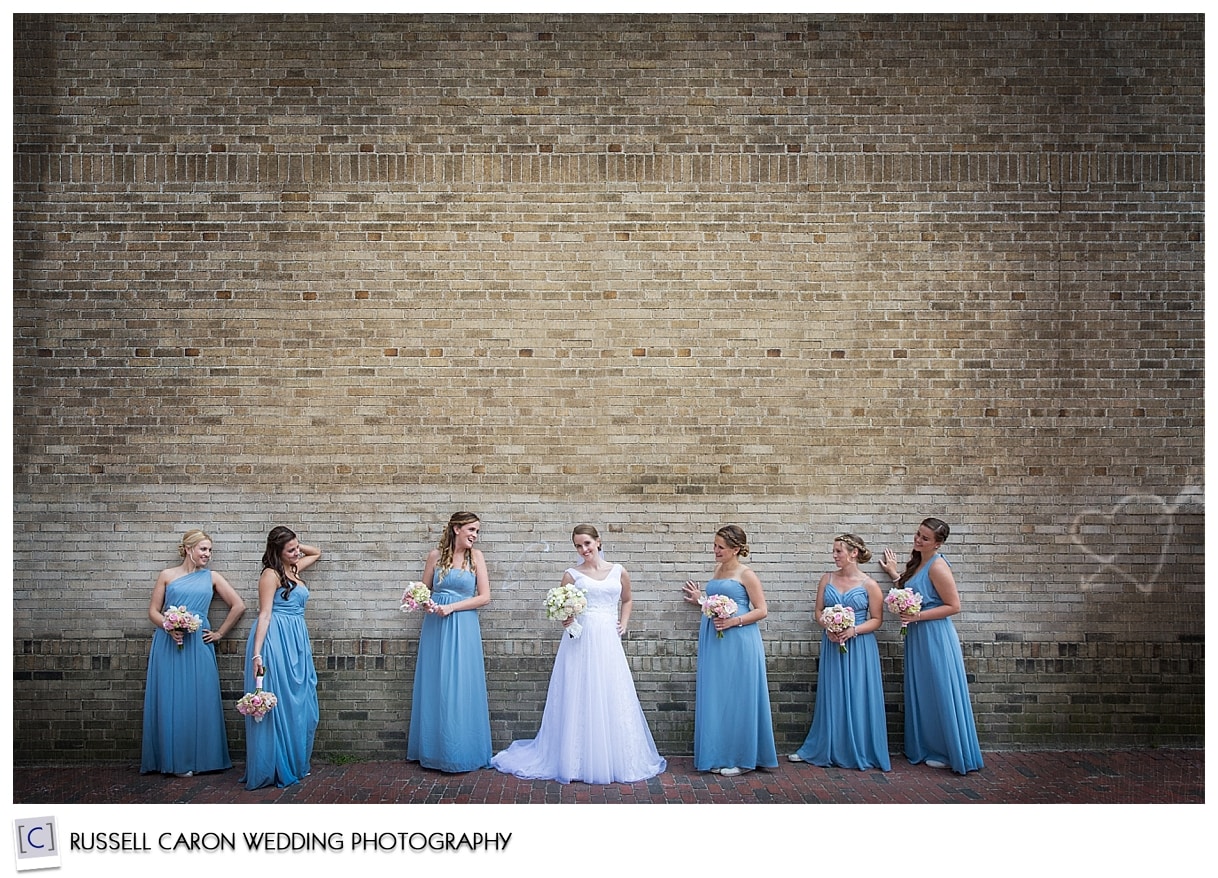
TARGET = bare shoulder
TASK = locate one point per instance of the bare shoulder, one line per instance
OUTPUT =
(940, 565)
(749, 577)
(163, 579)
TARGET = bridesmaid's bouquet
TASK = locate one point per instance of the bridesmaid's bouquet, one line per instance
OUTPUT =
(417, 596)
(257, 703)
(838, 619)
(903, 600)
(565, 602)
(180, 619)
(718, 606)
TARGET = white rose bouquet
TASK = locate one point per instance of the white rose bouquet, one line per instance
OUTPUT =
(565, 602)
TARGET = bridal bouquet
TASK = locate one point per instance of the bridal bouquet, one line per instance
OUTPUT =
(903, 600)
(718, 606)
(838, 619)
(417, 596)
(565, 602)
(257, 703)
(180, 619)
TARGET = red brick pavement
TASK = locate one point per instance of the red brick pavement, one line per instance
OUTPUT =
(1105, 777)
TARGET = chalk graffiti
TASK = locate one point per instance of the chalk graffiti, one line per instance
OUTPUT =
(512, 577)
(1133, 540)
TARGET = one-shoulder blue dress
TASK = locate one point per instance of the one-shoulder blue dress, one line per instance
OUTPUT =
(939, 721)
(732, 723)
(183, 711)
(848, 725)
(279, 749)
(450, 723)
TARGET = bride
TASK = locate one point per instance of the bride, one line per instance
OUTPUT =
(592, 728)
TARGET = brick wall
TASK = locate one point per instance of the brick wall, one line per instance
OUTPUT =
(804, 274)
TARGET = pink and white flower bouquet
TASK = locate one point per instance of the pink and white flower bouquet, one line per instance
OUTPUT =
(565, 602)
(257, 703)
(180, 619)
(718, 606)
(417, 596)
(838, 619)
(903, 600)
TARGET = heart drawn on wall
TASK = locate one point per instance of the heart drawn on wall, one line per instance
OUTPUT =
(1130, 541)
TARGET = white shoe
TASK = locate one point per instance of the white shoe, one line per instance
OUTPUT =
(935, 763)
(185, 774)
(795, 757)
(734, 771)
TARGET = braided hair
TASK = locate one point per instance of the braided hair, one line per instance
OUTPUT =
(856, 543)
(735, 538)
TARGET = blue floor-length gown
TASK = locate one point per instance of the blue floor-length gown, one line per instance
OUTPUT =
(593, 728)
(938, 716)
(183, 711)
(279, 749)
(732, 723)
(848, 725)
(450, 723)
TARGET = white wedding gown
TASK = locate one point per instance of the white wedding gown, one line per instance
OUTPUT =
(592, 729)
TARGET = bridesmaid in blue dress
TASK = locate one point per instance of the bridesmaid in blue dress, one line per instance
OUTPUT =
(278, 750)
(183, 713)
(450, 723)
(848, 726)
(939, 726)
(733, 730)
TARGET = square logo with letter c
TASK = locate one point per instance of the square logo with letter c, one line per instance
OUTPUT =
(36, 843)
